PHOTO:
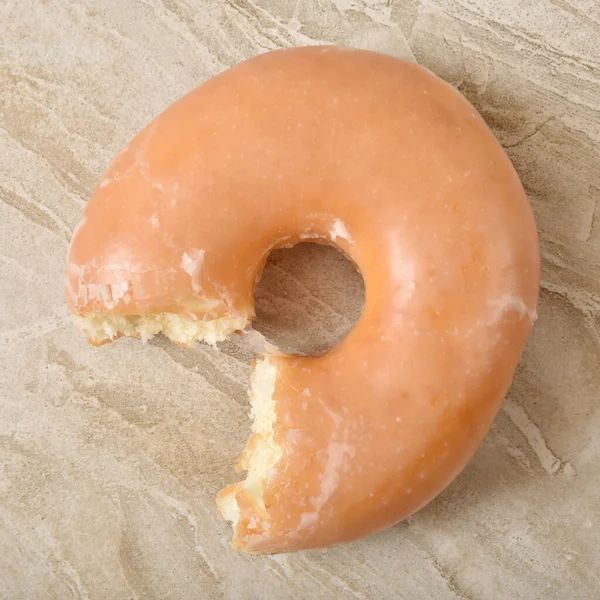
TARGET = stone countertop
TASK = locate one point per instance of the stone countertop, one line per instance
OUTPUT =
(110, 458)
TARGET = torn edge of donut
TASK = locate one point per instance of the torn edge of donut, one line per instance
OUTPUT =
(101, 328)
(261, 453)
(259, 458)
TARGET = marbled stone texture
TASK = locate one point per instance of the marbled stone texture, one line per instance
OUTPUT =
(110, 458)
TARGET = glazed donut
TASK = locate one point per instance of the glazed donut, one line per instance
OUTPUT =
(380, 158)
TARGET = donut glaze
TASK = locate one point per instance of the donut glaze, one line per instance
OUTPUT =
(393, 166)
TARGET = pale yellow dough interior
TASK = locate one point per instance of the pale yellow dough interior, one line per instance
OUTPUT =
(102, 327)
(261, 456)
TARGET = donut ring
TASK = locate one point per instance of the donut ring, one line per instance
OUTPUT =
(380, 158)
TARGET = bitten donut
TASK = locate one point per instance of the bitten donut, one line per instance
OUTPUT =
(380, 158)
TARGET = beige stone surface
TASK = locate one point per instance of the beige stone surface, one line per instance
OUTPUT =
(110, 458)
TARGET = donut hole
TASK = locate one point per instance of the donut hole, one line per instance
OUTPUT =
(308, 298)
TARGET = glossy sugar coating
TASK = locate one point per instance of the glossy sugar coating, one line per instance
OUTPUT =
(396, 168)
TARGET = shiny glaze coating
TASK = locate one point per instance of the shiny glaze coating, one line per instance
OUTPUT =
(395, 167)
